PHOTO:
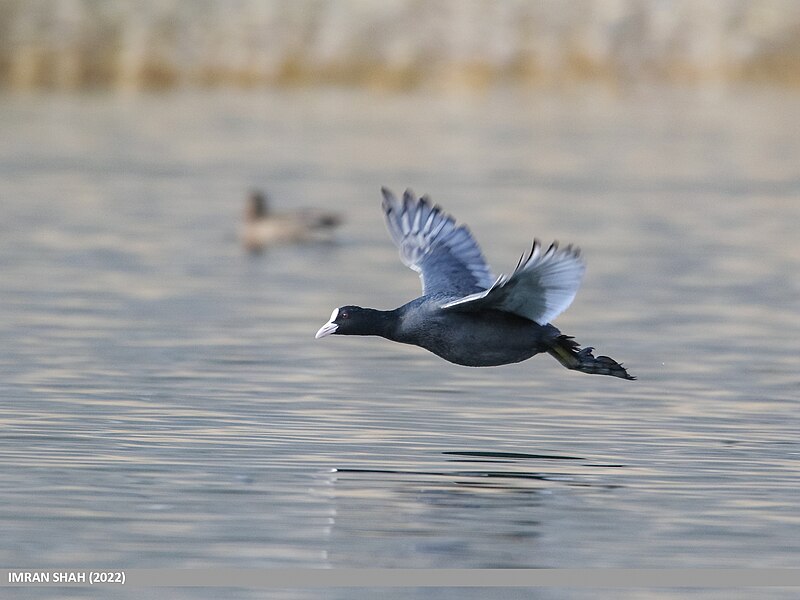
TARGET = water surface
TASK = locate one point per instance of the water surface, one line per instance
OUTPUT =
(165, 403)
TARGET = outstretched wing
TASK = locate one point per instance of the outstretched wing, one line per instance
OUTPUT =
(541, 287)
(446, 256)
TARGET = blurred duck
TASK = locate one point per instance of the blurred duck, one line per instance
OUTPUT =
(263, 228)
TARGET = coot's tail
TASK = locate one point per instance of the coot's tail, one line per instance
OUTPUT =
(569, 353)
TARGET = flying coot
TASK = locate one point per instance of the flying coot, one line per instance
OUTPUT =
(465, 315)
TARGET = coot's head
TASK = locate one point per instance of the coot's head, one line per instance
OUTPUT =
(350, 320)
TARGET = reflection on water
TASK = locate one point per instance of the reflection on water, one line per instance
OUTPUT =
(166, 404)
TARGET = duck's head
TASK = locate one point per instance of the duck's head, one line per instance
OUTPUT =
(257, 205)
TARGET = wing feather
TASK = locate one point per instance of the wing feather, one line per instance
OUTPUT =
(541, 287)
(446, 256)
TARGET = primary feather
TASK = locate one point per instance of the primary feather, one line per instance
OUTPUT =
(446, 256)
(542, 286)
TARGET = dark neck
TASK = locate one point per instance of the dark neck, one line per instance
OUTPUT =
(380, 322)
(257, 208)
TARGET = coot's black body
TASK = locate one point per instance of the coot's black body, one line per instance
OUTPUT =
(464, 315)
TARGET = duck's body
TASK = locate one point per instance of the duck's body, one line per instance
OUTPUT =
(464, 316)
(263, 228)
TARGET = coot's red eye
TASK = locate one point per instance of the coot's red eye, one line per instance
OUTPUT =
(344, 315)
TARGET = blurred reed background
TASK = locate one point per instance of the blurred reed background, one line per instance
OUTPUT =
(145, 44)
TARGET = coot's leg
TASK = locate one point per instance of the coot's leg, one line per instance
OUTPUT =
(569, 353)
